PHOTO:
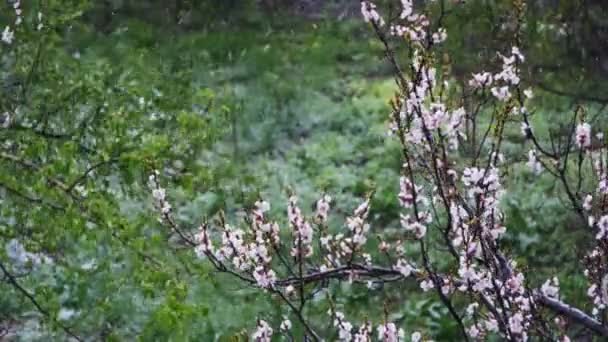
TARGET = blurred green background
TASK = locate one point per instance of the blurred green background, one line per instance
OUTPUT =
(241, 99)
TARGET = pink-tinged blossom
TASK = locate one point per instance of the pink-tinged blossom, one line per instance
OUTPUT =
(323, 208)
(411, 225)
(359, 230)
(516, 323)
(344, 327)
(368, 10)
(389, 333)
(501, 93)
(408, 192)
(384, 246)
(440, 36)
(203, 241)
(583, 135)
(550, 288)
(479, 181)
(302, 230)
(427, 285)
(473, 332)
(263, 332)
(515, 284)
(265, 232)
(403, 267)
(482, 79)
(406, 9)
(264, 277)
(364, 334)
(472, 176)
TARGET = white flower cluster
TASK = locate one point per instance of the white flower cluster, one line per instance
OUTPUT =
(533, 163)
(389, 333)
(358, 227)
(503, 80)
(344, 327)
(302, 230)
(343, 246)
(583, 135)
(370, 14)
(8, 35)
(414, 26)
(159, 194)
(21, 258)
(550, 288)
(323, 208)
(263, 332)
(386, 332)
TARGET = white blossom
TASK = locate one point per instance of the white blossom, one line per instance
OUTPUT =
(389, 333)
(533, 162)
(8, 35)
(263, 332)
(285, 324)
(550, 288)
(583, 135)
(368, 10)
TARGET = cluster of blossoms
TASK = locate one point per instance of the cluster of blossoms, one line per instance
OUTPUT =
(414, 26)
(159, 194)
(323, 206)
(8, 35)
(583, 135)
(386, 332)
(370, 14)
(253, 256)
(426, 115)
(409, 196)
(503, 80)
(21, 258)
(389, 333)
(597, 275)
(342, 247)
(596, 261)
(302, 230)
(344, 327)
(263, 332)
(596, 213)
(551, 288)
